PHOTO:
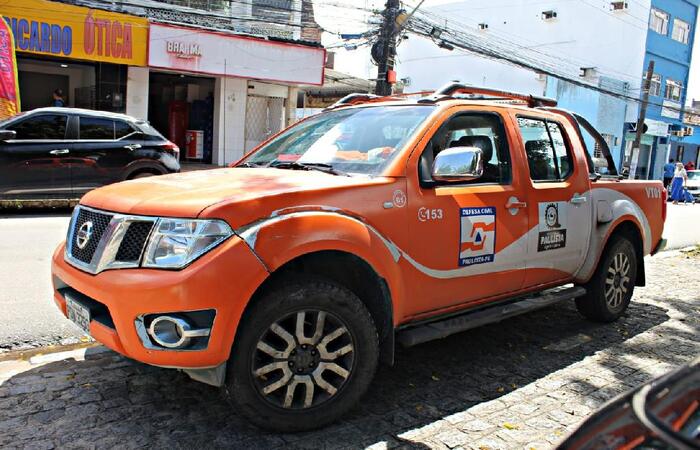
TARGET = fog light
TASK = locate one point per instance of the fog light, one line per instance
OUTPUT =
(174, 332)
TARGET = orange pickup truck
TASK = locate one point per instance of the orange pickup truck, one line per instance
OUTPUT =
(289, 276)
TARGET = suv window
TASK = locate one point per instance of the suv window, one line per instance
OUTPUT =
(482, 130)
(96, 128)
(48, 126)
(122, 129)
(548, 157)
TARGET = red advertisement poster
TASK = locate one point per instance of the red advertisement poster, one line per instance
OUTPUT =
(9, 87)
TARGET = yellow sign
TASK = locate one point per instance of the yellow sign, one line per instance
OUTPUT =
(56, 29)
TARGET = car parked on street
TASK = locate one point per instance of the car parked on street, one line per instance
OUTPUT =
(693, 184)
(62, 153)
(288, 277)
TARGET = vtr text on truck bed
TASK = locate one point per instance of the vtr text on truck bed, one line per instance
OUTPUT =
(289, 276)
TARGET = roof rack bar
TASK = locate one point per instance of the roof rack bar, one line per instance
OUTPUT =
(532, 101)
(359, 98)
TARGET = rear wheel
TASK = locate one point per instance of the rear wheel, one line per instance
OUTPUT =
(304, 355)
(610, 289)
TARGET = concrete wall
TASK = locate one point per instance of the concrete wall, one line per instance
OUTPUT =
(137, 92)
(229, 120)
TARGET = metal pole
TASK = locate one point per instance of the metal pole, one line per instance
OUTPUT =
(634, 154)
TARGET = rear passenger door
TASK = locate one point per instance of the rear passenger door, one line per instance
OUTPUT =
(99, 155)
(558, 197)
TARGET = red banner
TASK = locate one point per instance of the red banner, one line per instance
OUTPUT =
(9, 86)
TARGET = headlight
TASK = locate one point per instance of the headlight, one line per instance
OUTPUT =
(177, 242)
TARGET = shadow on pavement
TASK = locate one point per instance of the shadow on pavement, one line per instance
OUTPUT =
(34, 212)
(107, 400)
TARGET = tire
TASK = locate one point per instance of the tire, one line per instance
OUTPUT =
(138, 175)
(609, 291)
(344, 362)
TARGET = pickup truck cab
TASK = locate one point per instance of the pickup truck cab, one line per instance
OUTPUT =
(289, 276)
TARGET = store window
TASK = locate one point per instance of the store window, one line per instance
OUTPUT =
(547, 154)
(655, 85)
(51, 126)
(681, 31)
(658, 21)
(673, 90)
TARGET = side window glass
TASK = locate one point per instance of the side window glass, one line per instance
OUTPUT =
(96, 128)
(547, 155)
(484, 131)
(122, 129)
(41, 127)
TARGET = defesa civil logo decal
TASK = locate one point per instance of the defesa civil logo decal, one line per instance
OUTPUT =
(552, 226)
(477, 241)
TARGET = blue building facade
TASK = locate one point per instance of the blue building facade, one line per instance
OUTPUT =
(669, 44)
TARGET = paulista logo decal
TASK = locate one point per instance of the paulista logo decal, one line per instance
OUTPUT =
(552, 226)
(477, 243)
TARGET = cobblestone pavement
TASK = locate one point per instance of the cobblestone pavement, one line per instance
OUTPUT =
(523, 383)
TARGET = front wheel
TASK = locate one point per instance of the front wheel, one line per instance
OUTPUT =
(610, 289)
(304, 355)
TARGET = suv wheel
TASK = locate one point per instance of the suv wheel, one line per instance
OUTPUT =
(610, 289)
(303, 356)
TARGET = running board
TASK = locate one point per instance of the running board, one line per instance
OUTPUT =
(490, 314)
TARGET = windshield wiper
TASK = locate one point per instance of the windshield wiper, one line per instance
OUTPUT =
(250, 164)
(322, 167)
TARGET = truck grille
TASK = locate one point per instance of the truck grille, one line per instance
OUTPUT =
(135, 238)
(100, 221)
(117, 240)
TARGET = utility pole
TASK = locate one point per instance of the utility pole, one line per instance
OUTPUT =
(634, 155)
(387, 47)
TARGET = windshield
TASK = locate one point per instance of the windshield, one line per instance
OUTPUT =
(354, 141)
(694, 175)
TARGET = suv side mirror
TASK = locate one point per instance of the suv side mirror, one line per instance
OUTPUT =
(458, 164)
(6, 135)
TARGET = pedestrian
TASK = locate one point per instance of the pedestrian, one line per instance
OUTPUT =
(690, 165)
(58, 98)
(680, 177)
(669, 168)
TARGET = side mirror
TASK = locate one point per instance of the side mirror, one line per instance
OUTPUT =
(458, 164)
(6, 135)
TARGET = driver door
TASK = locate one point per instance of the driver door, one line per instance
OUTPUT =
(469, 238)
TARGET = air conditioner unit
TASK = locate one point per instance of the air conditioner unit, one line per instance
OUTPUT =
(619, 6)
(483, 26)
(549, 15)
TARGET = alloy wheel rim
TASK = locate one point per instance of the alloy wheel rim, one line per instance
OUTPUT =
(617, 280)
(302, 360)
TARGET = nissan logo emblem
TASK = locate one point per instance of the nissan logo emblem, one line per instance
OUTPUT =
(84, 234)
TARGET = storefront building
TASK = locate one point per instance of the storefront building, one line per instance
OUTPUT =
(81, 51)
(229, 91)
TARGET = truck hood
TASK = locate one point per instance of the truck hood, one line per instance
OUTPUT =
(188, 194)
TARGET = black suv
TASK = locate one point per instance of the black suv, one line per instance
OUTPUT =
(64, 152)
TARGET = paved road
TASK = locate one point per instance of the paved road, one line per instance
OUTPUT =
(29, 317)
(521, 384)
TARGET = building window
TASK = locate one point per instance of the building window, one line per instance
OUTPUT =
(681, 31)
(658, 21)
(655, 85)
(597, 150)
(274, 10)
(673, 90)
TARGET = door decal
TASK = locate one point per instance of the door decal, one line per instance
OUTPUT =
(477, 241)
(552, 226)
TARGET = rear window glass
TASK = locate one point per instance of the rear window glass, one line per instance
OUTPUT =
(96, 128)
(122, 129)
(148, 130)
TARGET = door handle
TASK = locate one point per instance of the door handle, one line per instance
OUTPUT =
(578, 199)
(513, 202)
(61, 151)
(132, 147)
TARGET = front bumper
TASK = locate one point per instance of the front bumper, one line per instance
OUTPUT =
(222, 280)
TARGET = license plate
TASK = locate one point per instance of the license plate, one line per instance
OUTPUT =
(78, 314)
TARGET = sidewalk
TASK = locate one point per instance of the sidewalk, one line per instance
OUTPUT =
(524, 383)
